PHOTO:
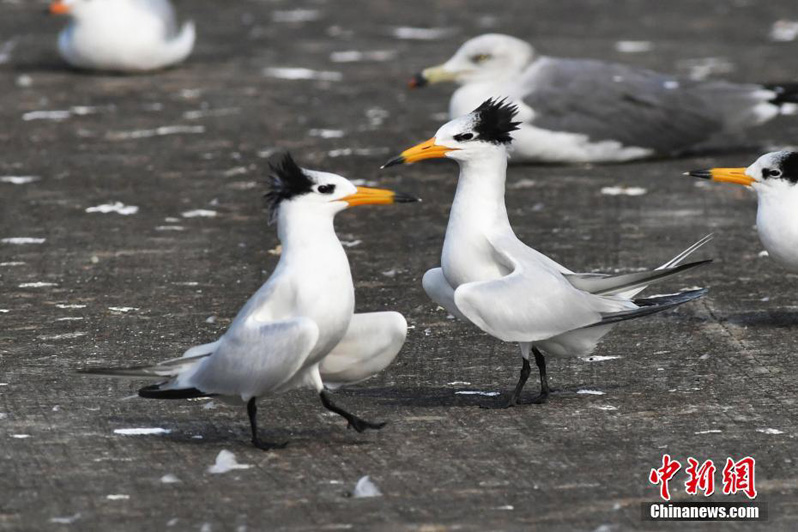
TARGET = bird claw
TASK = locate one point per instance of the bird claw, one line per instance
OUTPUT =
(361, 425)
(268, 446)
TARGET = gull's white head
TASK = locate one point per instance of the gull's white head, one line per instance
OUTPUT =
(83, 8)
(300, 190)
(491, 57)
(485, 131)
(775, 172)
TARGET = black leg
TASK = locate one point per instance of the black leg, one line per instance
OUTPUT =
(513, 399)
(252, 412)
(355, 422)
(543, 396)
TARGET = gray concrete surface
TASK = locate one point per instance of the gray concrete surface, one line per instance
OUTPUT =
(703, 380)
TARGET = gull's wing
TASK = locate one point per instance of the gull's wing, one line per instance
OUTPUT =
(533, 303)
(371, 343)
(164, 11)
(635, 106)
(253, 358)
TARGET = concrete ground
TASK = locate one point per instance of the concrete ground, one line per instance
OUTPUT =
(712, 379)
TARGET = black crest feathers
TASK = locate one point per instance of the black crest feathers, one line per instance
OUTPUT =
(495, 120)
(286, 181)
(789, 167)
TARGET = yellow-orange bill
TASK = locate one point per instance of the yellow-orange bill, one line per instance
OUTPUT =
(59, 8)
(728, 175)
(425, 150)
(377, 196)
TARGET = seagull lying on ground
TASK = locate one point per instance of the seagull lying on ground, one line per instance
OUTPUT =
(488, 277)
(582, 110)
(122, 35)
(774, 177)
(298, 330)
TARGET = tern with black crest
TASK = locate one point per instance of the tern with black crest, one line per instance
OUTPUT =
(774, 177)
(489, 278)
(588, 111)
(299, 330)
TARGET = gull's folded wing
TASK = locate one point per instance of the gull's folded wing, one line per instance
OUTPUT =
(634, 106)
(371, 343)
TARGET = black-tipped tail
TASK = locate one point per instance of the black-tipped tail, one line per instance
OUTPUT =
(785, 92)
(652, 305)
(155, 392)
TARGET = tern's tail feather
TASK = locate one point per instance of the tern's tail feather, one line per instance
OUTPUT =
(785, 92)
(651, 305)
(628, 284)
(168, 369)
(675, 261)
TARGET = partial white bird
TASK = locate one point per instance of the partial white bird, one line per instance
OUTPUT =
(488, 277)
(122, 35)
(774, 177)
(583, 111)
(298, 330)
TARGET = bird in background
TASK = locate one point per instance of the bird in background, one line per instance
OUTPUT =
(299, 330)
(490, 278)
(588, 111)
(774, 177)
(122, 35)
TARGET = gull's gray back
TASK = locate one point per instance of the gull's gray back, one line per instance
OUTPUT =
(638, 107)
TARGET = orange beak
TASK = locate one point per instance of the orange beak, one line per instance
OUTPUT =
(377, 196)
(728, 175)
(425, 150)
(59, 8)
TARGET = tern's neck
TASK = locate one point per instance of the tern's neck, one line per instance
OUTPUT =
(306, 233)
(479, 200)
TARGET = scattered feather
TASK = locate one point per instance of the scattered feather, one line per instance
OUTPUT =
(590, 392)
(634, 47)
(476, 392)
(157, 132)
(169, 479)
(623, 191)
(22, 240)
(365, 487)
(199, 213)
(142, 431)
(784, 31)
(117, 497)
(65, 520)
(353, 56)
(421, 34)
(117, 207)
(226, 461)
(19, 179)
(301, 74)
(37, 284)
(770, 431)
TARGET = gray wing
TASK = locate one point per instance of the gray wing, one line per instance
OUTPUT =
(638, 107)
(164, 10)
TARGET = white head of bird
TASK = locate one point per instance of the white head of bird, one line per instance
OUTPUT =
(482, 135)
(774, 177)
(78, 9)
(296, 192)
(488, 58)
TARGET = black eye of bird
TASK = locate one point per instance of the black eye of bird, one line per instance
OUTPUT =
(768, 172)
(326, 189)
(480, 58)
(464, 136)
